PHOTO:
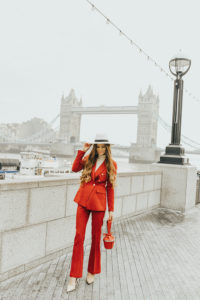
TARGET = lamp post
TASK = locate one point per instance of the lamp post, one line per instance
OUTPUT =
(174, 152)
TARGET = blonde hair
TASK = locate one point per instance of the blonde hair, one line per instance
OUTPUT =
(90, 161)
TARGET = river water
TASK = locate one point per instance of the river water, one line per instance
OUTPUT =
(123, 164)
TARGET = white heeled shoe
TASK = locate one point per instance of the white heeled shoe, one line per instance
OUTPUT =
(90, 279)
(71, 287)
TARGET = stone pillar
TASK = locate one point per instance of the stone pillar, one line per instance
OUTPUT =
(178, 187)
(145, 150)
(69, 122)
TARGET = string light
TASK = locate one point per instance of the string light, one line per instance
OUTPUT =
(108, 21)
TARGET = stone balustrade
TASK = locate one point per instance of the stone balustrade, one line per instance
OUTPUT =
(37, 216)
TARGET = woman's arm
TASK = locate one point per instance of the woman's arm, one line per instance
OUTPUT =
(78, 163)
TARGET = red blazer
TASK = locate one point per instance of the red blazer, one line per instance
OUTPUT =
(92, 194)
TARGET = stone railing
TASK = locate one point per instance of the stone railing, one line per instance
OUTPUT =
(37, 217)
(198, 188)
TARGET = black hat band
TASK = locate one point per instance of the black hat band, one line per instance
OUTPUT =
(101, 140)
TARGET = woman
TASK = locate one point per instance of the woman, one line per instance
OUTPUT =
(98, 179)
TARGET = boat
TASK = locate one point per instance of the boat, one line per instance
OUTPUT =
(42, 163)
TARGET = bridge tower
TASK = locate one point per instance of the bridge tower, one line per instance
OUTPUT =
(69, 121)
(144, 150)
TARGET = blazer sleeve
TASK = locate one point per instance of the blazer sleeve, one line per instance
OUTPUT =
(111, 192)
(79, 161)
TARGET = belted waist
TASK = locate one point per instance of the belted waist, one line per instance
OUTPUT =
(95, 182)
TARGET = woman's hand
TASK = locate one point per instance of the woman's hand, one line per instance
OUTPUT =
(110, 217)
(86, 146)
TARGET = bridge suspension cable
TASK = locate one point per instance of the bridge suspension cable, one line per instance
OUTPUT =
(184, 138)
(141, 51)
(42, 132)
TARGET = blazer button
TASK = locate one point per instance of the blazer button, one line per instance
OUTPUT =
(93, 183)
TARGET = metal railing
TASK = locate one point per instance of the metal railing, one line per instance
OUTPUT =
(198, 187)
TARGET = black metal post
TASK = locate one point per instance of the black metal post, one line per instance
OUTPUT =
(174, 152)
(177, 112)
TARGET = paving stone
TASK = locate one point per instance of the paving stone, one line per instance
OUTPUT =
(156, 256)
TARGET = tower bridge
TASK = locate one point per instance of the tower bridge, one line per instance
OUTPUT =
(147, 111)
(66, 136)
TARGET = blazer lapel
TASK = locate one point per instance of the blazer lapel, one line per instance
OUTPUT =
(92, 173)
(100, 169)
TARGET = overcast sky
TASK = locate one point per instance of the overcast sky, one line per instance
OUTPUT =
(48, 47)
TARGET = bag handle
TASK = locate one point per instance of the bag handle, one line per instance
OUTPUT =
(109, 223)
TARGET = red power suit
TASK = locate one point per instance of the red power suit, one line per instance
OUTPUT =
(91, 197)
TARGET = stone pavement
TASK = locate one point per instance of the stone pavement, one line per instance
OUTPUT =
(156, 256)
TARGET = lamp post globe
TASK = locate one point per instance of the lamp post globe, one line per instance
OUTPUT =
(179, 65)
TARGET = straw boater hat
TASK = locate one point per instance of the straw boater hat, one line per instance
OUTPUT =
(101, 138)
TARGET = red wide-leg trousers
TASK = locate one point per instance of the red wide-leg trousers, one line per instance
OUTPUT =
(94, 263)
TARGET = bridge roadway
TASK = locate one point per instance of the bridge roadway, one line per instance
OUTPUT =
(156, 256)
(103, 109)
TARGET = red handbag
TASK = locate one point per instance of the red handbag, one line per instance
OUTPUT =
(108, 238)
